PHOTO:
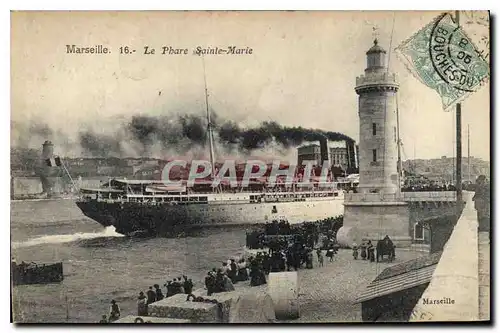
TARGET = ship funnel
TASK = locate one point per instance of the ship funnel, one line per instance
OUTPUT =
(323, 146)
(351, 156)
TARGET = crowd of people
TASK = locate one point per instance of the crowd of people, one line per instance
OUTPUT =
(284, 248)
(176, 286)
(224, 278)
(281, 231)
(292, 256)
(367, 251)
(384, 247)
(427, 185)
(290, 247)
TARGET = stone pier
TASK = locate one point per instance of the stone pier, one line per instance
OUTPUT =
(374, 215)
(462, 276)
(226, 309)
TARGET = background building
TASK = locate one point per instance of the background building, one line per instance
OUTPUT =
(338, 157)
(310, 152)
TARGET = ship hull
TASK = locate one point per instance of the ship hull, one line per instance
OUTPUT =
(131, 218)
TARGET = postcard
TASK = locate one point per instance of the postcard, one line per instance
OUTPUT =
(227, 167)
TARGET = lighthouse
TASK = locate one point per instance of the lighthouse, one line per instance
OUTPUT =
(377, 209)
(377, 90)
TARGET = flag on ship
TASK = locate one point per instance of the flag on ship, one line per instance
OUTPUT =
(55, 161)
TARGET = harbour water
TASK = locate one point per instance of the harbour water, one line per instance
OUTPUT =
(101, 265)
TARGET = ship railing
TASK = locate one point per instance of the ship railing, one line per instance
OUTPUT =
(430, 196)
(202, 197)
(402, 196)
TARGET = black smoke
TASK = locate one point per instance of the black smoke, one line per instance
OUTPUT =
(98, 145)
(22, 134)
(249, 139)
(151, 136)
(254, 138)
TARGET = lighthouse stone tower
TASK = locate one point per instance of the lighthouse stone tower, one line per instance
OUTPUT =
(377, 209)
(377, 91)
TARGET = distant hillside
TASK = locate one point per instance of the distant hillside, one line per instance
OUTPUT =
(444, 168)
(24, 161)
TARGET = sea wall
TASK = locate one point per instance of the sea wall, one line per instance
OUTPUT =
(453, 292)
(25, 186)
(375, 220)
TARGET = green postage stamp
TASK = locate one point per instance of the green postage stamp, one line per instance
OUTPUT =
(445, 59)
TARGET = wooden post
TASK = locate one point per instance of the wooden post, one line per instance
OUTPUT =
(459, 143)
(468, 153)
(459, 153)
(67, 306)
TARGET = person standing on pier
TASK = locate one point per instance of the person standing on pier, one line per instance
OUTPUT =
(219, 281)
(114, 311)
(233, 272)
(180, 286)
(266, 263)
(482, 203)
(188, 285)
(225, 268)
(257, 276)
(363, 251)
(319, 253)
(210, 283)
(228, 284)
(151, 296)
(371, 251)
(355, 251)
(159, 293)
(170, 289)
(242, 270)
(329, 253)
(176, 287)
(309, 259)
(142, 306)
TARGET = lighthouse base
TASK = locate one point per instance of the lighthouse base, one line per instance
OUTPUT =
(374, 220)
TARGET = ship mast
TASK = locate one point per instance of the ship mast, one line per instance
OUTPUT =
(348, 158)
(400, 164)
(209, 125)
(468, 151)
(414, 164)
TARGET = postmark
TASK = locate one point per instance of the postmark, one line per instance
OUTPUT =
(444, 58)
(454, 57)
(476, 25)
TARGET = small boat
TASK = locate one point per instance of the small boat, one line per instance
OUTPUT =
(140, 233)
(32, 273)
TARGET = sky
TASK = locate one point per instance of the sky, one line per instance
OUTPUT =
(301, 72)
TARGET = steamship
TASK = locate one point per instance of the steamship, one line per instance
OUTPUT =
(150, 207)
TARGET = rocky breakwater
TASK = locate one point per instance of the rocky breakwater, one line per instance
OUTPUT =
(244, 305)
